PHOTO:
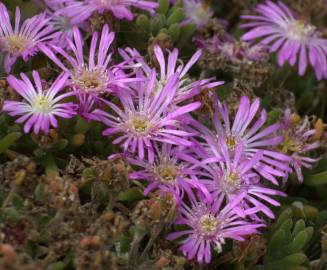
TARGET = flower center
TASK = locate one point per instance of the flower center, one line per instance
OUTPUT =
(63, 23)
(231, 182)
(233, 178)
(208, 224)
(140, 124)
(42, 104)
(227, 49)
(199, 13)
(290, 144)
(16, 44)
(90, 80)
(167, 173)
(231, 143)
(256, 52)
(300, 31)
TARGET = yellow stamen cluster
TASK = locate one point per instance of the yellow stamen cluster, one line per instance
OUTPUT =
(90, 80)
(139, 124)
(208, 224)
(300, 31)
(42, 104)
(16, 44)
(231, 182)
(231, 142)
(167, 173)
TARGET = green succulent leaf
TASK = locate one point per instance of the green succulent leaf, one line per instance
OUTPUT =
(316, 179)
(130, 195)
(176, 17)
(163, 6)
(9, 140)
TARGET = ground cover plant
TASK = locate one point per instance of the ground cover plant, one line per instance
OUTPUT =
(142, 134)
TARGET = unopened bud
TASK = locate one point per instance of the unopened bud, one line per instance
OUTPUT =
(90, 241)
(295, 119)
(78, 140)
(319, 128)
(7, 251)
(20, 177)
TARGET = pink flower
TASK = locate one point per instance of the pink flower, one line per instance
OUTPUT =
(295, 39)
(297, 143)
(23, 41)
(93, 74)
(247, 129)
(210, 226)
(173, 170)
(146, 117)
(60, 22)
(197, 12)
(39, 107)
(232, 173)
(169, 67)
(81, 10)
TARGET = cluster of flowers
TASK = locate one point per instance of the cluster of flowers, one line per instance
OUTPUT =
(55, 24)
(219, 177)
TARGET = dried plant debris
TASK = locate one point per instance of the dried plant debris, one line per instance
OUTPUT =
(163, 135)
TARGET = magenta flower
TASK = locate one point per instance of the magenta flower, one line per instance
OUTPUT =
(92, 75)
(197, 12)
(254, 52)
(39, 108)
(297, 143)
(81, 10)
(247, 130)
(173, 171)
(296, 40)
(59, 22)
(228, 175)
(186, 88)
(22, 41)
(210, 227)
(227, 48)
(146, 117)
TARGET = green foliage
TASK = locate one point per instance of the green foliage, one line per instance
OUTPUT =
(164, 27)
(316, 179)
(290, 240)
(9, 140)
(130, 195)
